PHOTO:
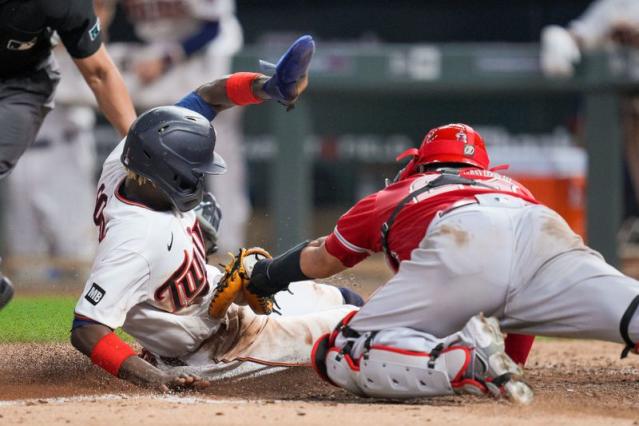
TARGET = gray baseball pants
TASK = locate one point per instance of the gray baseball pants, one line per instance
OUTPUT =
(24, 103)
(518, 262)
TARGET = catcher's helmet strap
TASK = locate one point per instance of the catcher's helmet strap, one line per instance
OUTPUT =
(623, 327)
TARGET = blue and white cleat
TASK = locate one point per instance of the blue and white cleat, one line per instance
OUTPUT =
(290, 76)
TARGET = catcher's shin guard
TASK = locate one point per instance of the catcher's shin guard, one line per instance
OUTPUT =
(291, 68)
(6, 291)
(385, 371)
(389, 372)
(471, 361)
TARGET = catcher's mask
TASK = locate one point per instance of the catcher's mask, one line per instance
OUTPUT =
(173, 147)
(449, 144)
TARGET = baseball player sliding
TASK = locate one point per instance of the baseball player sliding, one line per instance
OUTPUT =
(463, 240)
(150, 275)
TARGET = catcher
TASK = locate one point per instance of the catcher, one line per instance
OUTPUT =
(462, 239)
(150, 275)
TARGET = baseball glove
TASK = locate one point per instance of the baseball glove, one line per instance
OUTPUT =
(232, 287)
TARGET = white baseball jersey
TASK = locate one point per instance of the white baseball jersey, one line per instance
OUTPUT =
(158, 21)
(150, 271)
(150, 277)
(596, 23)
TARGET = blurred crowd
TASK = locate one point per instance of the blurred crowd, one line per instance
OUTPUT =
(179, 44)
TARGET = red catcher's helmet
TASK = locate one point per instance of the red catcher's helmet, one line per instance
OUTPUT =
(452, 143)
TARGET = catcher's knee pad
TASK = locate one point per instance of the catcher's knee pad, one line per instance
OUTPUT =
(390, 372)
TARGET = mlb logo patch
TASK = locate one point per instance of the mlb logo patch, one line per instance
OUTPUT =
(95, 294)
(94, 32)
(469, 150)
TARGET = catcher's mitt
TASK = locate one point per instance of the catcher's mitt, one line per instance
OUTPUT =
(232, 287)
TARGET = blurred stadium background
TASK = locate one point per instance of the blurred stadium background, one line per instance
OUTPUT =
(385, 73)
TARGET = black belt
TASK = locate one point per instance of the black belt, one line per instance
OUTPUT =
(623, 326)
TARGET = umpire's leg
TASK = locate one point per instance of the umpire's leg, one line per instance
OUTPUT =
(21, 115)
(24, 102)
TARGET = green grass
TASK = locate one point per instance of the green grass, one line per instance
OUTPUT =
(38, 319)
(44, 319)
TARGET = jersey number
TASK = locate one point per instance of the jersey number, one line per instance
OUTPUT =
(98, 213)
(190, 278)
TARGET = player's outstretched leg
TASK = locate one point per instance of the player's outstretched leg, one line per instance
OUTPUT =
(6, 291)
(407, 363)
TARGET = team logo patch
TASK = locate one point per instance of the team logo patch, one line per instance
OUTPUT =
(469, 150)
(95, 294)
(461, 136)
(21, 45)
(94, 32)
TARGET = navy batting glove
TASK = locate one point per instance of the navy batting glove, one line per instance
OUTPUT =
(209, 214)
(290, 71)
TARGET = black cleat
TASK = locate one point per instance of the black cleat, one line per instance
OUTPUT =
(351, 297)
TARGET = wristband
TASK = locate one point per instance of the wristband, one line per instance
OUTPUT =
(110, 352)
(239, 88)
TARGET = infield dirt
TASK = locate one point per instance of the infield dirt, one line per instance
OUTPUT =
(576, 382)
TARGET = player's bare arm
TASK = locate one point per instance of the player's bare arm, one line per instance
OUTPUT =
(105, 81)
(87, 339)
(317, 262)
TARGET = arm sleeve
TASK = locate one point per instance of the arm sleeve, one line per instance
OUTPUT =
(355, 235)
(195, 103)
(116, 284)
(79, 29)
(594, 26)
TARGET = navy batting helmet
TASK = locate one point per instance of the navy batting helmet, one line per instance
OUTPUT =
(173, 147)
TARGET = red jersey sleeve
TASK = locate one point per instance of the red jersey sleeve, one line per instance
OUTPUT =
(355, 235)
